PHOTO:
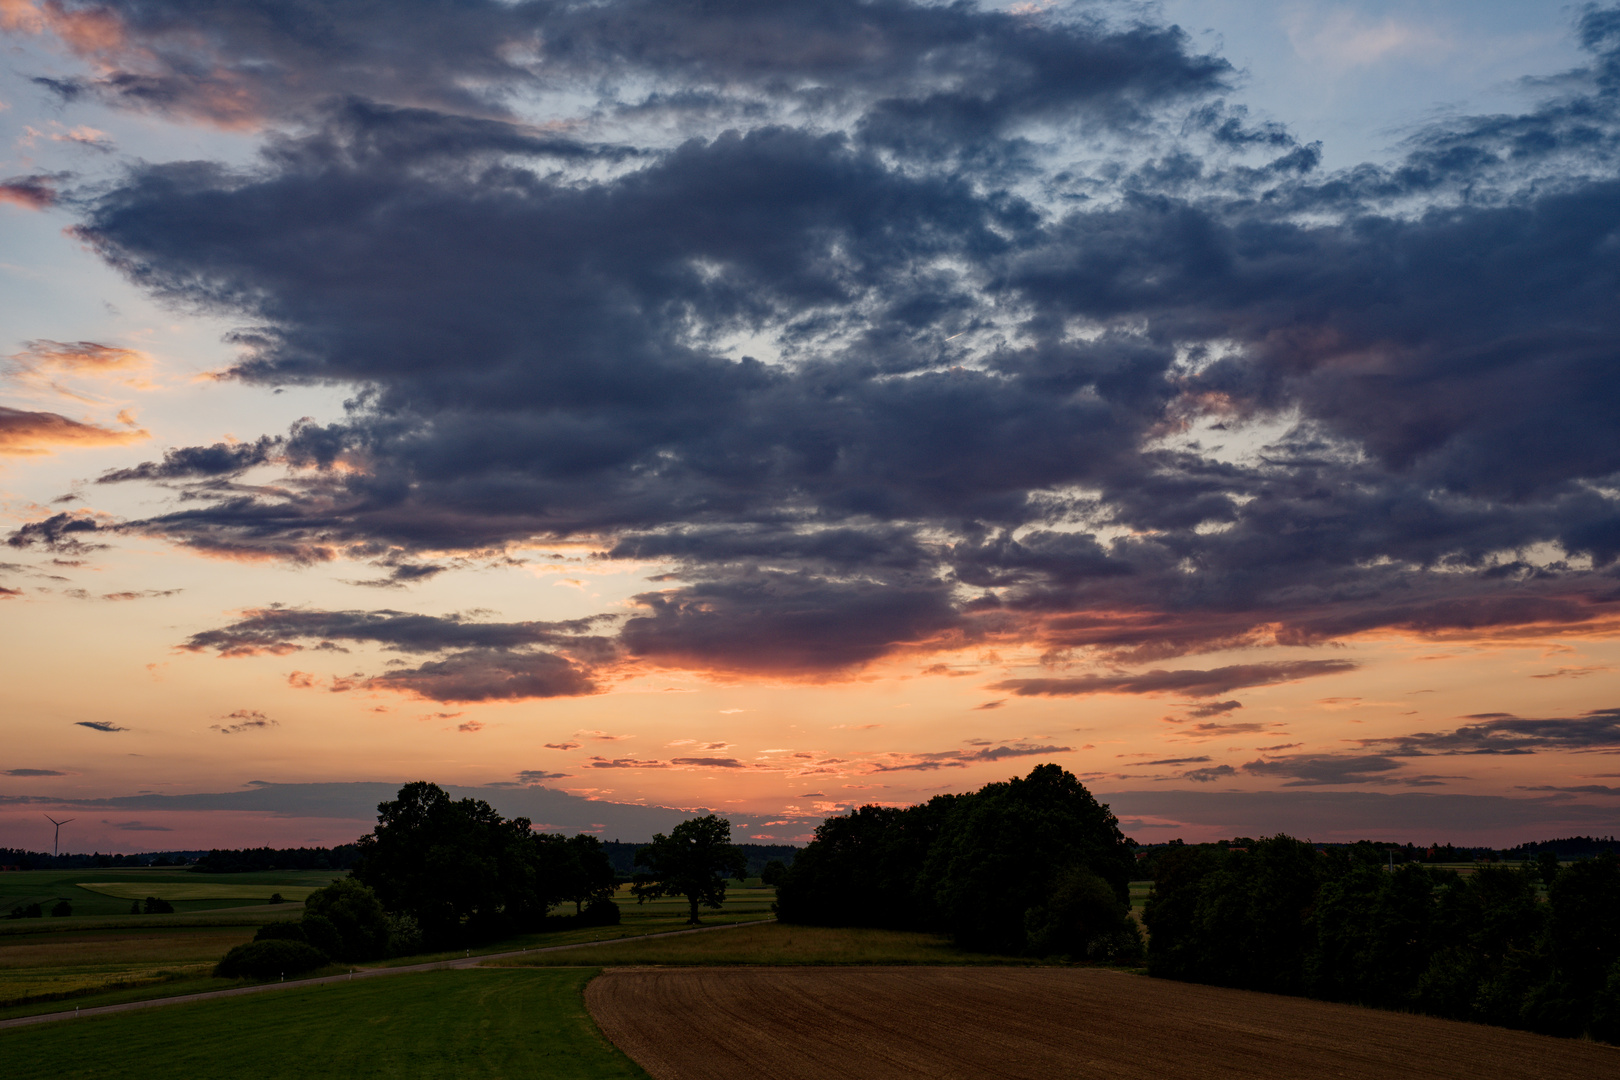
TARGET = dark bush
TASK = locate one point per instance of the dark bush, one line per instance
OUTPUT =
(26, 911)
(156, 905)
(134, 907)
(358, 917)
(600, 913)
(269, 960)
(596, 913)
(61, 909)
(1084, 920)
(322, 933)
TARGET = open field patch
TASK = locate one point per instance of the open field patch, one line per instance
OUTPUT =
(774, 943)
(881, 1023)
(56, 966)
(186, 890)
(463, 1024)
(108, 893)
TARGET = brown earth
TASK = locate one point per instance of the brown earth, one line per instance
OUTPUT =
(876, 1023)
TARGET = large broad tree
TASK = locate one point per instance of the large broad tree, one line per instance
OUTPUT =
(693, 861)
(457, 866)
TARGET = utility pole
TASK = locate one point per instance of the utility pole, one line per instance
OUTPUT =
(56, 845)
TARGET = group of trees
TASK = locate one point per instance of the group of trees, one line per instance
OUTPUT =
(1284, 917)
(343, 922)
(1034, 865)
(462, 872)
(60, 909)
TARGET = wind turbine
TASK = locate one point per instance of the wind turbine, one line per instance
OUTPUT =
(57, 843)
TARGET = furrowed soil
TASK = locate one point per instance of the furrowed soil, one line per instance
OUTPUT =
(880, 1023)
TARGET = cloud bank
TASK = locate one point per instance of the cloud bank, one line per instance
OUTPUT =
(887, 327)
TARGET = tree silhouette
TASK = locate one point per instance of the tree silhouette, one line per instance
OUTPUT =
(693, 861)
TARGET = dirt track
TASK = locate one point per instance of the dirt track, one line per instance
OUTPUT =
(877, 1023)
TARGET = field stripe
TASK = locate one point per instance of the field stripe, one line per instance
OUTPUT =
(360, 973)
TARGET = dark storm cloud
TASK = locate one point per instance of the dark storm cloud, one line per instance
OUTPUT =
(491, 675)
(99, 725)
(1321, 769)
(59, 532)
(33, 772)
(1193, 683)
(281, 629)
(940, 73)
(1501, 733)
(865, 356)
(549, 809)
(484, 661)
(199, 462)
(1423, 818)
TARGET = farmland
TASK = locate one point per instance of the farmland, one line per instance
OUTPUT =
(100, 892)
(98, 959)
(463, 1024)
(813, 1023)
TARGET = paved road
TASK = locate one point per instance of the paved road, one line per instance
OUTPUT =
(363, 973)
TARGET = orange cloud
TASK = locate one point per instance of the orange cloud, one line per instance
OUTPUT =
(24, 433)
(93, 33)
(79, 357)
(28, 192)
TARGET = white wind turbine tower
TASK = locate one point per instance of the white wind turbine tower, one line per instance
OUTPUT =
(57, 843)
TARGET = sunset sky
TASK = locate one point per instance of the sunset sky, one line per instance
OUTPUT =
(775, 407)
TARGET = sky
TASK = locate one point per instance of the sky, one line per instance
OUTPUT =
(626, 409)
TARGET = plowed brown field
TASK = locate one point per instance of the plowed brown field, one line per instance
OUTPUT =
(876, 1023)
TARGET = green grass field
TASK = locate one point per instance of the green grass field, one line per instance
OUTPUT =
(106, 893)
(774, 944)
(440, 1024)
(45, 967)
(177, 891)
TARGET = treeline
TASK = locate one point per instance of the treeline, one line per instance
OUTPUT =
(1534, 946)
(1031, 866)
(244, 860)
(758, 856)
(18, 859)
(1572, 847)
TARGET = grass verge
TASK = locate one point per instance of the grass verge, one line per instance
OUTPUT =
(462, 1024)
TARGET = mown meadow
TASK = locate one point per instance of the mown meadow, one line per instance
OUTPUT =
(467, 1024)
